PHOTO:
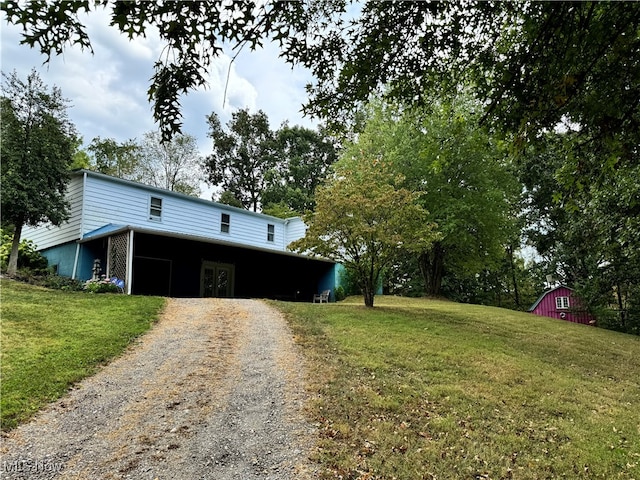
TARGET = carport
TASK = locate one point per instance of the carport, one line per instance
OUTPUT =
(175, 265)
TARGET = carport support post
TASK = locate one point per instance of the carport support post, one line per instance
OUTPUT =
(129, 278)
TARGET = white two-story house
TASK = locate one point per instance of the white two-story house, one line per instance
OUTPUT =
(165, 243)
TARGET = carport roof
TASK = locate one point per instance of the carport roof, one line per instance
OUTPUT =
(105, 230)
(112, 229)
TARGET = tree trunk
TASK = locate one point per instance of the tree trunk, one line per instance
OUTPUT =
(432, 268)
(513, 276)
(12, 267)
(369, 285)
(623, 317)
(368, 297)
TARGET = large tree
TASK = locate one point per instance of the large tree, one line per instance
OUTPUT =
(194, 32)
(303, 159)
(174, 164)
(38, 144)
(535, 62)
(463, 174)
(242, 155)
(589, 241)
(364, 219)
(112, 158)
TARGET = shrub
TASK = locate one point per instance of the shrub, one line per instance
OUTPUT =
(67, 284)
(104, 285)
(349, 283)
(340, 294)
(49, 280)
(28, 256)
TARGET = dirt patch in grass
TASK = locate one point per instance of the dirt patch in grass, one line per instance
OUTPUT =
(210, 392)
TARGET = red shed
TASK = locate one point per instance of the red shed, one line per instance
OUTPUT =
(561, 303)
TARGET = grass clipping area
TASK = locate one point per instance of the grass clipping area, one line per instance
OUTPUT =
(425, 389)
(52, 339)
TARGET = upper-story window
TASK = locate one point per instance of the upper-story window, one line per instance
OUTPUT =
(271, 232)
(562, 303)
(155, 209)
(225, 222)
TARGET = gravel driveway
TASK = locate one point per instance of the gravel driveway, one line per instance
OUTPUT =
(214, 391)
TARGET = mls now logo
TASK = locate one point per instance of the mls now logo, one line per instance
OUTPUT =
(31, 466)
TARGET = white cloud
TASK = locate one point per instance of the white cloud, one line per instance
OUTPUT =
(108, 90)
(111, 85)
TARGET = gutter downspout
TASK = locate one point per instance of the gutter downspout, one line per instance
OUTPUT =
(75, 261)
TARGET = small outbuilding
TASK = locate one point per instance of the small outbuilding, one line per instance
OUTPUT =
(561, 303)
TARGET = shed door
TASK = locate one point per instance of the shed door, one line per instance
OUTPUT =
(216, 280)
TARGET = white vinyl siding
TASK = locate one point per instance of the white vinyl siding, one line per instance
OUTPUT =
(295, 229)
(46, 235)
(113, 201)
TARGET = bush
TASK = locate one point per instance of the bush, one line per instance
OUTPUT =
(104, 285)
(340, 294)
(49, 280)
(349, 283)
(67, 284)
(28, 256)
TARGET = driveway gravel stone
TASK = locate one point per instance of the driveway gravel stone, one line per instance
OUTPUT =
(214, 391)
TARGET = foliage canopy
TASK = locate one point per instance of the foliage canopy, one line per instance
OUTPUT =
(242, 155)
(38, 143)
(463, 174)
(364, 219)
(304, 158)
(262, 168)
(535, 63)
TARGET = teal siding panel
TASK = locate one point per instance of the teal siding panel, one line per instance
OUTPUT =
(341, 280)
(328, 282)
(88, 253)
(62, 258)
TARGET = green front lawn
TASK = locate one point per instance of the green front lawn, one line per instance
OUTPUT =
(52, 339)
(419, 388)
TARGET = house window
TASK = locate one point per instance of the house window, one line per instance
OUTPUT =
(562, 303)
(271, 233)
(155, 209)
(225, 222)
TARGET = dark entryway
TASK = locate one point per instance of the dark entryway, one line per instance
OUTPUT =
(190, 268)
(151, 276)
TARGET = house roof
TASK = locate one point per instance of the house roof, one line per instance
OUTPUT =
(533, 307)
(111, 229)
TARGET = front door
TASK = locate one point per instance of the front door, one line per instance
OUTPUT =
(216, 280)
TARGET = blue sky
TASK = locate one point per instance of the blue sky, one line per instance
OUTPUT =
(108, 89)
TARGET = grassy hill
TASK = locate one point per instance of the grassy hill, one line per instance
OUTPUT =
(411, 389)
(418, 388)
(52, 339)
